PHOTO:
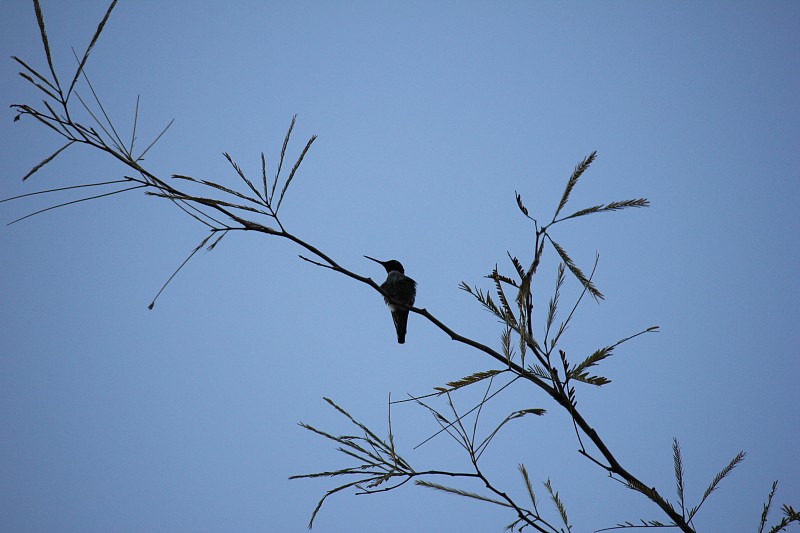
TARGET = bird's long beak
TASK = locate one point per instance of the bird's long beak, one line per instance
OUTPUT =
(372, 258)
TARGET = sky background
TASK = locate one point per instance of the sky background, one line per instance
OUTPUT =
(430, 116)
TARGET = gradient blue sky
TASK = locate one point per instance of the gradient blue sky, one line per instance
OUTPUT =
(429, 116)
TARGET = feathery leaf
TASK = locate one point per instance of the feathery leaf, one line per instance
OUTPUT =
(517, 266)
(39, 86)
(528, 486)
(35, 73)
(89, 48)
(640, 524)
(459, 492)
(468, 380)
(485, 299)
(294, 169)
(45, 43)
(590, 361)
(46, 160)
(214, 244)
(505, 342)
(266, 196)
(586, 282)
(244, 178)
(558, 503)
(573, 179)
(539, 371)
(218, 187)
(597, 381)
(790, 515)
(283, 154)
(521, 206)
(553, 305)
(212, 202)
(678, 462)
(495, 276)
(604, 208)
(738, 458)
(500, 277)
(767, 505)
(366, 430)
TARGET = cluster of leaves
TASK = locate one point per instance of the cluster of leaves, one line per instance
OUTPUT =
(219, 215)
(380, 468)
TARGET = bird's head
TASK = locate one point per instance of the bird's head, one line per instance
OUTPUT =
(390, 266)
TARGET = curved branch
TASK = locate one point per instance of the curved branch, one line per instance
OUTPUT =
(559, 396)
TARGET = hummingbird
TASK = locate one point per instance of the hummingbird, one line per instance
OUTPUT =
(402, 289)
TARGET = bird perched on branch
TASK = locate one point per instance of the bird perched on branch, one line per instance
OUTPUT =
(402, 289)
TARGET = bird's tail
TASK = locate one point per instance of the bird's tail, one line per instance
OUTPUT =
(400, 322)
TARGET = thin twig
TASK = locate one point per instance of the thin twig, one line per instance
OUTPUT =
(75, 202)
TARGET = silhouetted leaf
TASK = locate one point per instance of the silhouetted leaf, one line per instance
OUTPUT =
(46, 160)
(586, 282)
(573, 180)
(519, 204)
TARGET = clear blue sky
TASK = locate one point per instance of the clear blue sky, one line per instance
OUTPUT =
(429, 116)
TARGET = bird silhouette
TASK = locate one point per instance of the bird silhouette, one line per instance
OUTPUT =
(402, 289)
